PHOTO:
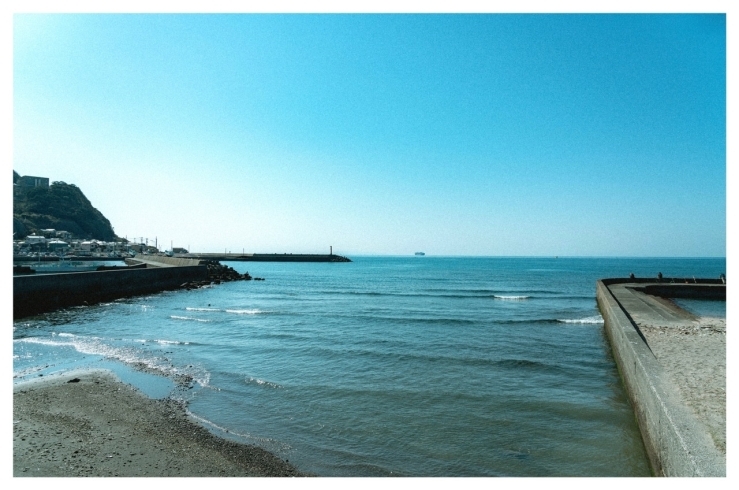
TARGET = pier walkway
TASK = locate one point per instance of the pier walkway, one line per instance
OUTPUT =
(673, 365)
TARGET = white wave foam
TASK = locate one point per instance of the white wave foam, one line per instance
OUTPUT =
(263, 441)
(589, 320)
(201, 309)
(245, 312)
(53, 343)
(93, 346)
(144, 307)
(189, 318)
(262, 382)
(143, 341)
(511, 298)
(128, 355)
(63, 334)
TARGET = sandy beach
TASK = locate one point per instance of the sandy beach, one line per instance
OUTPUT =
(92, 424)
(693, 353)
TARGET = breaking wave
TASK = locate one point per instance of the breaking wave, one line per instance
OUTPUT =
(189, 318)
(128, 355)
(260, 382)
(245, 312)
(233, 311)
(588, 320)
(510, 298)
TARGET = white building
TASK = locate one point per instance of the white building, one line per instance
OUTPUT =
(57, 246)
(35, 240)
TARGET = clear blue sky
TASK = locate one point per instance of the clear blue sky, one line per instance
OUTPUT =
(456, 134)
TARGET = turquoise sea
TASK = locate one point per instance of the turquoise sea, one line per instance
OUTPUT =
(412, 366)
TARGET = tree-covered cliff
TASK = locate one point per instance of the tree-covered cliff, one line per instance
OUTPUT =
(61, 206)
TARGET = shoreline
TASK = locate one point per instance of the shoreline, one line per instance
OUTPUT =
(100, 426)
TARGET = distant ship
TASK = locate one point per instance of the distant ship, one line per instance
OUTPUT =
(420, 253)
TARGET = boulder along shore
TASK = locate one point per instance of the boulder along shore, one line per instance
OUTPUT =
(89, 423)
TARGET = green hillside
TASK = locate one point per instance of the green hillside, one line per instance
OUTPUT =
(61, 206)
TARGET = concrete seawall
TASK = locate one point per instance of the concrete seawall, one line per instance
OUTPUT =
(53, 258)
(675, 440)
(269, 257)
(35, 294)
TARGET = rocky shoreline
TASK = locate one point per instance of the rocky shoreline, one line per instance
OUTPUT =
(218, 273)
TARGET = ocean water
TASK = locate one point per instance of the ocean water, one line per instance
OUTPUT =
(407, 366)
(701, 307)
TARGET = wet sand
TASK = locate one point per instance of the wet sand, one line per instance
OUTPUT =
(99, 426)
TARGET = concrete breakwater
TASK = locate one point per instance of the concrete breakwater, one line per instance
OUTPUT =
(69, 258)
(217, 272)
(680, 440)
(268, 257)
(284, 257)
(35, 294)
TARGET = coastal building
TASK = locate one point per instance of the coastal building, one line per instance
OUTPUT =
(35, 240)
(29, 182)
(136, 247)
(85, 246)
(55, 242)
(35, 243)
(57, 246)
(23, 184)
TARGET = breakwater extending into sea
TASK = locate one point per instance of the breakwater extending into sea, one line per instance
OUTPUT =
(673, 365)
(284, 257)
(39, 293)
(33, 294)
(416, 366)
